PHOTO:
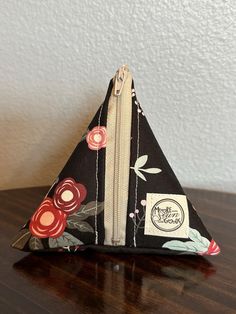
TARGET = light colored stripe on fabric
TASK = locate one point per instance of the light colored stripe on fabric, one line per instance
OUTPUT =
(136, 181)
(97, 183)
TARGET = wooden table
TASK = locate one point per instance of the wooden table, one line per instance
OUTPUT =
(92, 282)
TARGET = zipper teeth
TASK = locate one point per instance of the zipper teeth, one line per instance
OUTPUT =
(118, 158)
(116, 178)
(116, 183)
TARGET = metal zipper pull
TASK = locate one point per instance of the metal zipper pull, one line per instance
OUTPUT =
(120, 78)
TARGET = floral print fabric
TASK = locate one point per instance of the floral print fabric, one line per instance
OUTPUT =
(69, 195)
(198, 244)
(150, 172)
(47, 221)
(67, 218)
(97, 138)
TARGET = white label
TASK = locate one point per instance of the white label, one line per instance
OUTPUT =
(166, 215)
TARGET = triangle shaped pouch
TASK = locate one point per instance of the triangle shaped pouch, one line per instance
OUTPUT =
(117, 192)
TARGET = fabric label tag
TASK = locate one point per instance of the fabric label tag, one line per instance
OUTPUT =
(166, 215)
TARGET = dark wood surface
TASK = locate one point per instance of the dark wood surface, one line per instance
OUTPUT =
(92, 282)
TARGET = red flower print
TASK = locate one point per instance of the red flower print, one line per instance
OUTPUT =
(97, 138)
(213, 249)
(68, 195)
(47, 221)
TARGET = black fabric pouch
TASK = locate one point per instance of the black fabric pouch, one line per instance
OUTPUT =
(117, 192)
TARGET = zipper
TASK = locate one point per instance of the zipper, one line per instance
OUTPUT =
(120, 78)
(118, 158)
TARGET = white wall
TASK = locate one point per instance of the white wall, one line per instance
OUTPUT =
(56, 59)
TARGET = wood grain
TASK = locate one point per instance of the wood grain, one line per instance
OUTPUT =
(92, 282)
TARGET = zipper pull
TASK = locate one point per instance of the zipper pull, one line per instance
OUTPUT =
(120, 78)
